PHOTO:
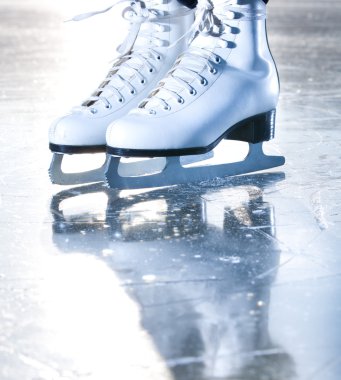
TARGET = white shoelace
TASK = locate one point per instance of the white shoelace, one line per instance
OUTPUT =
(188, 67)
(130, 62)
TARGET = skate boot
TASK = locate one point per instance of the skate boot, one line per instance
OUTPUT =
(155, 39)
(225, 86)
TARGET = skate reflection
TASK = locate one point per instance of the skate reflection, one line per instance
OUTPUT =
(200, 263)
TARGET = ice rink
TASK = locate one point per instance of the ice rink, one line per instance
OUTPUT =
(231, 279)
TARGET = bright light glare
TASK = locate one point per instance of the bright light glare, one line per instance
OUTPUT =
(94, 323)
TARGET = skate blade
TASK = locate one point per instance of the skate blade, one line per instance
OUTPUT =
(59, 177)
(160, 172)
(187, 160)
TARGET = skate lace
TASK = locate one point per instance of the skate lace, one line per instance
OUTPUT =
(189, 66)
(130, 61)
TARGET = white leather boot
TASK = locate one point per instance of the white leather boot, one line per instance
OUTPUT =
(156, 38)
(225, 86)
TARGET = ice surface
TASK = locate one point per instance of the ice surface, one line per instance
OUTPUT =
(231, 279)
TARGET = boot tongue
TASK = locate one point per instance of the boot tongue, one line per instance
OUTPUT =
(137, 14)
(206, 37)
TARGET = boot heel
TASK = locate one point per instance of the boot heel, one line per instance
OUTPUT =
(254, 129)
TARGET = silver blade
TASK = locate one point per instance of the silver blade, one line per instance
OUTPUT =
(120, 176)
(59, 177)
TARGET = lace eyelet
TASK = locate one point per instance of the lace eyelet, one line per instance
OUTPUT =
(133, 92)
(203, 82)
(181, 101)
(152, 112)
(151, 70)
(158, 57)
(93, 111)
(108, 106)
(192, 91)
(120, 100)
(213, 71)
(143, 81)
(167, 107)
(218, 59)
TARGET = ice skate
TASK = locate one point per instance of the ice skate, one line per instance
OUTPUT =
(155, 39)
(225, 86)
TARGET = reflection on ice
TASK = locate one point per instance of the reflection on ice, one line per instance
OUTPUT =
(200, 276)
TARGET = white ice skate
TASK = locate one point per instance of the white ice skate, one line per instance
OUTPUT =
(225, 86)
(157, 28)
